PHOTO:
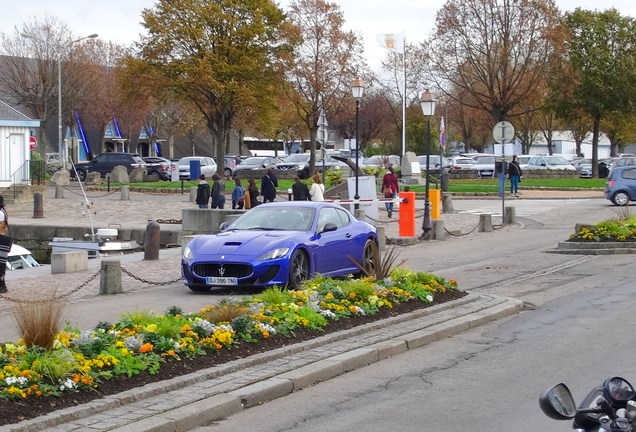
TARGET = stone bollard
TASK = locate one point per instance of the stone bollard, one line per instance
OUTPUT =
(152, 241)
(193, 194)
(59, 192)
(511, 216)
(125, 192)
(110, 277)
(437, 233)
(447, 203)
(381, 238)
(38, 206)
(485, 222)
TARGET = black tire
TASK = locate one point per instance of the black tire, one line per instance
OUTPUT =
(298, 270)
(81, 175)
(370, 257)
(620, 198)
(227, 172)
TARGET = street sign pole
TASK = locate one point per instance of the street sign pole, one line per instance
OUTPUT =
(503, 133)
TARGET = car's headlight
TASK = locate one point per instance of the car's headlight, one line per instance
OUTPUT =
(187, 253)
(273, 254)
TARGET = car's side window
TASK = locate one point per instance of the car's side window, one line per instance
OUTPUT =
(344, 217)
(629, 174)
(328, 215)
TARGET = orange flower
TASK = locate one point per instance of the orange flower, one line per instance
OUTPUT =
(147, 347)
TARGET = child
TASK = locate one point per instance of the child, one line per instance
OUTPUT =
(203, 192)
(238, 194)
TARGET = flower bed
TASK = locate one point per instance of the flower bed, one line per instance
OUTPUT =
(143, 342)
(622, 229)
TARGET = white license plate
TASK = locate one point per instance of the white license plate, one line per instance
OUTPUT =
(486, 173)
(221, 280)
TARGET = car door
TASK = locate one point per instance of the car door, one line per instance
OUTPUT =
(332, 247)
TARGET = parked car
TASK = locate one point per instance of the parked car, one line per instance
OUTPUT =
(434, 163)
(485, 167)
(380, 161)
(254, 163)
(158, 165)
(460, 163)
(620, 187)
(280, 244)
(300, 163)
(621, 161)
(207, 166)
(550, 163)
(229, 164)
(523, 161)
(104, 163)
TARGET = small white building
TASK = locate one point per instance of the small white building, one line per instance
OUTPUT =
(563, 144)
(15, 135)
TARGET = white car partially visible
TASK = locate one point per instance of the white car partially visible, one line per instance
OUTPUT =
(207, 166)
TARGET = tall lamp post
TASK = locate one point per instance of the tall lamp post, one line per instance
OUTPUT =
(428, 109)
(357, 89)
(58, 54)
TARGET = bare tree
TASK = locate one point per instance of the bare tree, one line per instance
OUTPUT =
(324, 64)
(496, 50)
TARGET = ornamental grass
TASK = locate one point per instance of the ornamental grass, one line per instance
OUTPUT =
(142, 341)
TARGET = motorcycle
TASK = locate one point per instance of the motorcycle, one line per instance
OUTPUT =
(610, 407)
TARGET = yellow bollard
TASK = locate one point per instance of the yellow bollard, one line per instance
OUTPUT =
(435, 198)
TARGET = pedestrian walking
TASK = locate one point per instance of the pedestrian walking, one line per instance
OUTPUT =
(5, 243)
(390, 188)
(238, 194)
(269, 183)
(317, 191)
(218, 192)
(251, 195)
(203, 192)
(514, 173)
(300, 191)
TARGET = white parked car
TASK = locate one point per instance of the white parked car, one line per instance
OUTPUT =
(485, 167)
(460, 163)
(550, 163)
(206, 164)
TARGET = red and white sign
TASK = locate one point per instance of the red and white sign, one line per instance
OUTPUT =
(33, 143)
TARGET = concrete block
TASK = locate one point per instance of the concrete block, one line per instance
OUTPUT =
(357, 358)
(69, 262)
(313, 373)
(420, 338)
(390, 348)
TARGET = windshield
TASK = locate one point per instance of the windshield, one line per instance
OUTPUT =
(486, 160)
(275, 218)
(253, 161)
(556, 160)
(298, 157)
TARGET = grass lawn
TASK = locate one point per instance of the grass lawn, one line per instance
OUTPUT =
(455, 185)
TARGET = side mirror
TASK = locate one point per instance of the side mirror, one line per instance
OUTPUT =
(329, 227)
(223, 226)
(558, 403)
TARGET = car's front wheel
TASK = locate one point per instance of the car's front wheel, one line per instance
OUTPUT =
(620, 198)
(298, 270)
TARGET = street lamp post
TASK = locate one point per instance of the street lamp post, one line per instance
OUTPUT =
(58, 54)
(357, 89)
(428, 109)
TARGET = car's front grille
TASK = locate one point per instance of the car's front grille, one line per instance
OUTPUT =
(222, 270)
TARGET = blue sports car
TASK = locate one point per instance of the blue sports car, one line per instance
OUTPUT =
(281, 243)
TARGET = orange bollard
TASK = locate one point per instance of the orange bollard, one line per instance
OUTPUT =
(435, 198)
(407, 214)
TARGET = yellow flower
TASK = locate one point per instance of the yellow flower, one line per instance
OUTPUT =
(151, 328)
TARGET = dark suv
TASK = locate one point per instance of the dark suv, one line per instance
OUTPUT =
(105, 162)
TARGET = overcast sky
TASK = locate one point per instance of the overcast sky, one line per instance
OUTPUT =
(119, 20)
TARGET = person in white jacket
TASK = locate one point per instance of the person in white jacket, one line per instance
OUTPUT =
(317, 191)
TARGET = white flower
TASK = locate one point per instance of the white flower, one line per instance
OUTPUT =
(429, 297)
(327, 314)
(68, 384)
(20, 381)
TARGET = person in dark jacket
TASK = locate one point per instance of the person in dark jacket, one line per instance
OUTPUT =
(269, 183)
(300, 191)
(251, 195)
(218, 192)
(203, 192)
(514, 173)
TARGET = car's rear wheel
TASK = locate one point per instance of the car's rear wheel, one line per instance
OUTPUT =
(298, 270)
(370, 257)
(81, 175)
(620, 198)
